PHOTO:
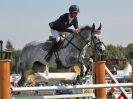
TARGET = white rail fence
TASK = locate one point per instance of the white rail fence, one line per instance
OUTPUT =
(91, 86)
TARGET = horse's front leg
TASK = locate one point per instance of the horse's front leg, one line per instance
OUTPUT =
(88, 64)
(87, 69)
(82, 68)
(22, 81)
(85, 64)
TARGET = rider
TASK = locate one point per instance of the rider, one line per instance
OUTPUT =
(62, 24)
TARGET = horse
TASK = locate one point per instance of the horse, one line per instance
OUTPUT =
(72, 51)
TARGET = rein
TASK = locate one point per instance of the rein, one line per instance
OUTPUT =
(79, 49)
(87, 42)
(70, 42)
(90, 43)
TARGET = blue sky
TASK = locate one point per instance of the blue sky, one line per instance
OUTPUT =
(23, 21)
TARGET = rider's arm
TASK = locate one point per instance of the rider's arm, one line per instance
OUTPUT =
(67, 30)
(61, 19)
(61, 24)
(76, 27)
(76, 23)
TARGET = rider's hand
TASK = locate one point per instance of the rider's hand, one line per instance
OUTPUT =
(76, 30)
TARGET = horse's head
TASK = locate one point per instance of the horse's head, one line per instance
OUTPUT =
(98, 45)
(91, 36)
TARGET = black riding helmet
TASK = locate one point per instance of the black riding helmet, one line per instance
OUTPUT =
(74, 8)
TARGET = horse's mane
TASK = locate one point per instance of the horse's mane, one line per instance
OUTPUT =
(85, 28)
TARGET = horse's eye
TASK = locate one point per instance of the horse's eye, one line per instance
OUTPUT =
(95, 36)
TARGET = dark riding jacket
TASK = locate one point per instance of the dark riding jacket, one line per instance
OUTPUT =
(62, 23)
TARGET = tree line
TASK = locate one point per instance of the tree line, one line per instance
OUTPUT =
(112, 52)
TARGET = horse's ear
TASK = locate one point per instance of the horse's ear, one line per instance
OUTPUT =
(99, 28)
(93, 26)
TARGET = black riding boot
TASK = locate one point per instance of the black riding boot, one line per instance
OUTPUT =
(55, 47)
(48, 56)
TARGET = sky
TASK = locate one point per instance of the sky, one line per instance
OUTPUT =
(24, 21)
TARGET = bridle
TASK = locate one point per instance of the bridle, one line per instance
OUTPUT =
(95, 44)
(88, 43)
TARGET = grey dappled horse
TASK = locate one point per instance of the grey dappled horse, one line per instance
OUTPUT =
(71, 52)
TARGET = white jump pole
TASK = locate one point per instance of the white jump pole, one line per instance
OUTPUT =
(91, 86)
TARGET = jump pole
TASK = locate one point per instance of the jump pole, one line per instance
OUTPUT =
(100, 78)
(4, 74)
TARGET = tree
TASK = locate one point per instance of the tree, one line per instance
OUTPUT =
(15, 58)
(128, 49)
(114, 52)
(9, 46)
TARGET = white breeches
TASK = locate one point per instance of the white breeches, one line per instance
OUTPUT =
(55, 34)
